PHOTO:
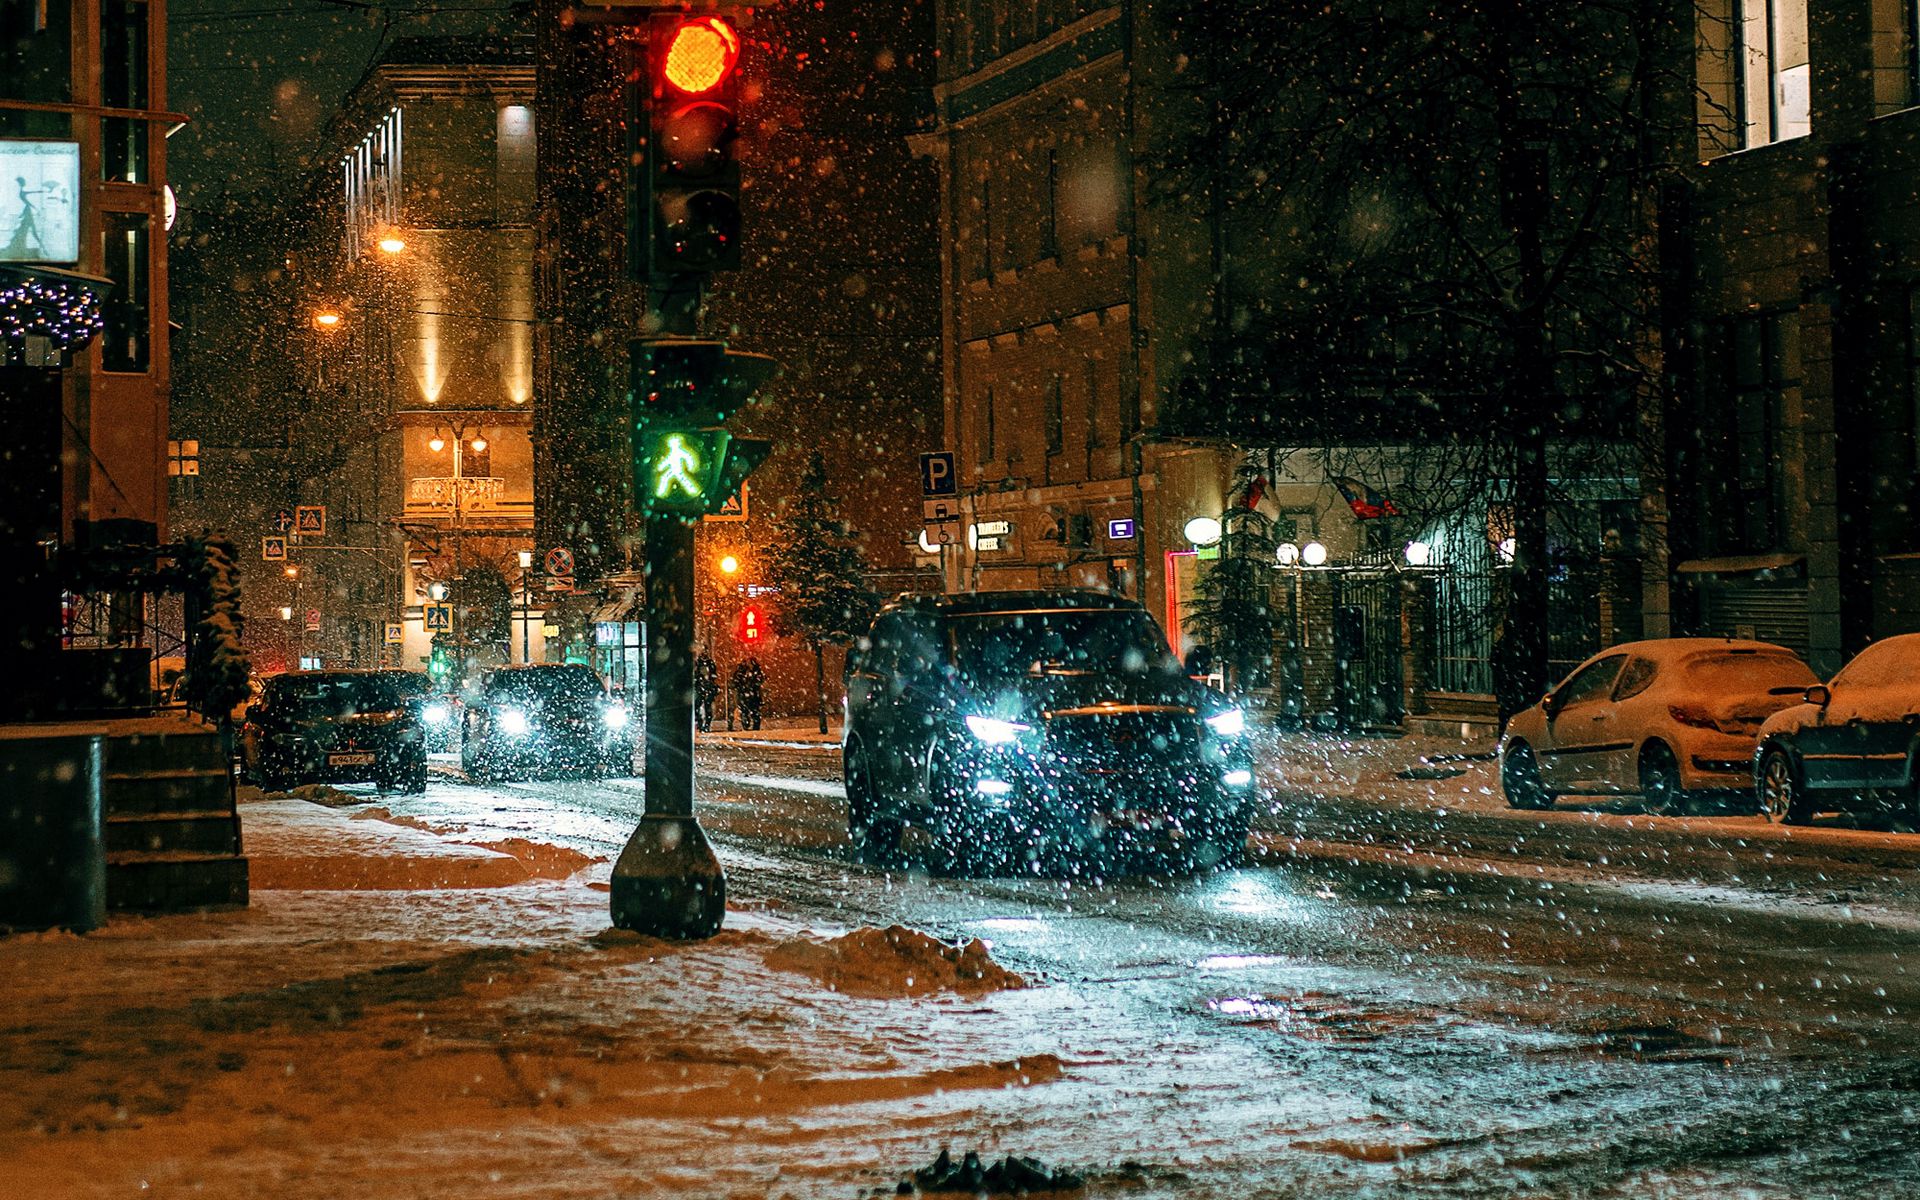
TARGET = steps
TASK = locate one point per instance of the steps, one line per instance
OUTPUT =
(172, 832)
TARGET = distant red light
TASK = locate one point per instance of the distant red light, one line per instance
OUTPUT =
(701, 53)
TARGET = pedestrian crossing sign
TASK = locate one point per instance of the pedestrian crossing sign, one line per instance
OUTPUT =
(438, 618)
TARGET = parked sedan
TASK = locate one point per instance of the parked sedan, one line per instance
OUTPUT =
(1852, 744)
(1662, 719)
(333, 727)
(536, 720)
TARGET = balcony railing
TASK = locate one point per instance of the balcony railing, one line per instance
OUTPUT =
(440, 491)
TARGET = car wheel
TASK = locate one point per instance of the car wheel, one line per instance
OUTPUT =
(875, 838)
(1226, 849)
(416, 781)
(1660, 791)
(1520, 779)
(1783, 797)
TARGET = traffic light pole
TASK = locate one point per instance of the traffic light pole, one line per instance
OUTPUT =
(684, 222)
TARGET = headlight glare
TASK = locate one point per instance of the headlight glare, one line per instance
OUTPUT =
(1231, 723)
(614, 716)
(995, 732)
(513, 722)
(436, 714)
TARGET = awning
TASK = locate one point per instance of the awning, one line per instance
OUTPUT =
(1740, 564)
(623, 608)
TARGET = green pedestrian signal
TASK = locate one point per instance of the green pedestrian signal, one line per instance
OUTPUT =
(685, 463)
(675, 470)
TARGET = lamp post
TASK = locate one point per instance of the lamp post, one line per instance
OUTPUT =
(526, 606)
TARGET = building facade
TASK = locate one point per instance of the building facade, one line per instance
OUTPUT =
(1790, 442)
(370, 440)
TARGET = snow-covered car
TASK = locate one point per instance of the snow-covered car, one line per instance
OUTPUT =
(544, 719)
(1661, 719)
(1035, 729)
(1853, 743)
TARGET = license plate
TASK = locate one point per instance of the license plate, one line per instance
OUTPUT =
(350, 760)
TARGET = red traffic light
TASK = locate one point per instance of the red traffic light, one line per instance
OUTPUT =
(747, 627)
(700, 55)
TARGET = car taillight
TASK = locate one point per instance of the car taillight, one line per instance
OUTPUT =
(1698, 718)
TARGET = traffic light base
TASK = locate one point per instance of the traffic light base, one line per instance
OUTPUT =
(667, 882)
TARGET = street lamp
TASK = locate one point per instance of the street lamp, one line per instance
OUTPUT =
(326, 320)
(1313, 554)
(437, 592)
(436, 443)
(525, 558)
(729, 565)
(286, 612)
(392, 244)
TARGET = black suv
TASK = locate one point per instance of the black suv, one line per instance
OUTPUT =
(334, 727)
(533, 720)
(1036, 729)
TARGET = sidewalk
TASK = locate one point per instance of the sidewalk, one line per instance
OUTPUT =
(777, 731)
(1409, 769)
(402, 1013)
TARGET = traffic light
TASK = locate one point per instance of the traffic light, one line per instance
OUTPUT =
(747, 627)
(693, 182)
(684, 463)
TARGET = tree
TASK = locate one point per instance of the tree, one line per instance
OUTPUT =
(817, 565)
(1437, 234)
(1233, 613)
(218, 667)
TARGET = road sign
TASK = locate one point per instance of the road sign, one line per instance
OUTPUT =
(283, 520)
(944, 533)
(1120, 529)
(396, 632)
(273, 548)
(310, 520)
(935, 512)
(734, 508)
(559, 561)
(313, 620)
(438, 618)
(937, 477)
(559, 583)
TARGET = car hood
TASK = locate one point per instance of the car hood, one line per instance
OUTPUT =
(1032, 696)
(1791, 718)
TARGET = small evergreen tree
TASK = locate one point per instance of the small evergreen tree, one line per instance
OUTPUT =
(817, 565)
(218, 667)
(1232, 615)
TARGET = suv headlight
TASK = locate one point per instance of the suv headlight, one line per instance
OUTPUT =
(436, 714)
(513, 722)
(614, 716)
(995, 732)
(1231, 723)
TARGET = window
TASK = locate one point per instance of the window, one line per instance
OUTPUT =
(1882, 664)
(983, 429)
(1590, 682)
(183, 466)
(513, 163)
(1762, 353)
(1637, 678)
(1775, 74)
(127, 343)
(1056, 418)
(123, 84)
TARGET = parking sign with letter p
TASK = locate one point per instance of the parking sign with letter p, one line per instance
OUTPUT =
(937, 476)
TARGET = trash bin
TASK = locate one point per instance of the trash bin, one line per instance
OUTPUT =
(53, 864)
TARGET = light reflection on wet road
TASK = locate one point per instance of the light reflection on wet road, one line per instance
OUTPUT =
(1467, 1013)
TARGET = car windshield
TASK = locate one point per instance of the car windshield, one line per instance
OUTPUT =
(1719, 674)
(409, 684)
(335, 695)
(992, 648)
(547, 685)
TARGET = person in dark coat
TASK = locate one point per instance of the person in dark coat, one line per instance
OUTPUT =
(706, 686)
(748, 679)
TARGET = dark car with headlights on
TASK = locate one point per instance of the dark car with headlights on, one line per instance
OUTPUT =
(544, 719)
(1039, 729)
(334, 727)
(439, 712)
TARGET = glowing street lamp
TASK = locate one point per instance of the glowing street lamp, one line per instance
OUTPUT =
(729, 565)
(392, 244)
(326, 320)
(1313, 554)
(436, 443)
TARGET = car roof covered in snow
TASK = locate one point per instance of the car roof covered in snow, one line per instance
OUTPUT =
(1669, 649)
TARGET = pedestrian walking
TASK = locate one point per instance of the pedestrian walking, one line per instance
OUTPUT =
(748, 679)
(706, 686)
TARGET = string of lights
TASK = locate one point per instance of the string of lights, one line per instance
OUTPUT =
(66, 313)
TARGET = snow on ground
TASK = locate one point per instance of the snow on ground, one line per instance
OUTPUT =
(399, 1014)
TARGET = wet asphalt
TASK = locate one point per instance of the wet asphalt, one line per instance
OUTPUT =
(1578, 1003)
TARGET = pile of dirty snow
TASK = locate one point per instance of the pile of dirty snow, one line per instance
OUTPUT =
(895, 961)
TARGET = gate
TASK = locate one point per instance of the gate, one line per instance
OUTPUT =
(1368, 647)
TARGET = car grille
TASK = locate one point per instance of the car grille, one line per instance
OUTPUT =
(1126, 759)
